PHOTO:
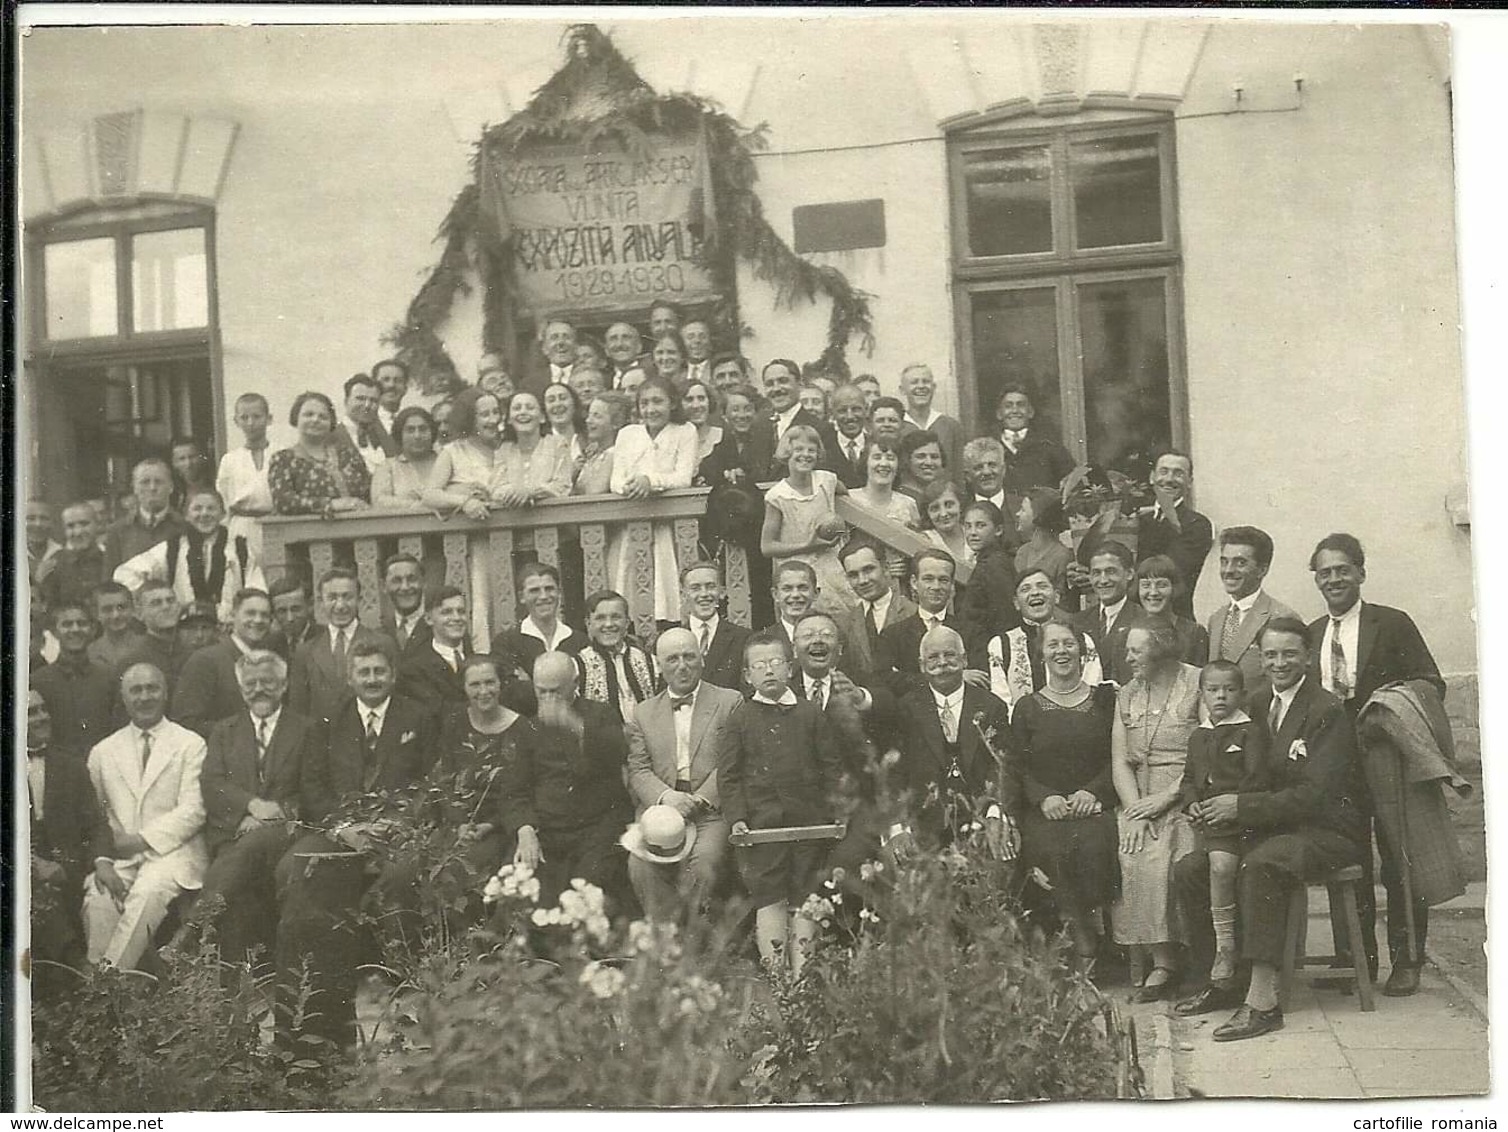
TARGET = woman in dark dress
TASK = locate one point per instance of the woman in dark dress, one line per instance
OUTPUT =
(739, 462)
(1159, 586)
(1059, 790)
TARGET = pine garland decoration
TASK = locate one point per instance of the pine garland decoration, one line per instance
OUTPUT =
(597, 97)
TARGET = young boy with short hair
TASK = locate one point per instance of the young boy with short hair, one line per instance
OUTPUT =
(1226, 756)
(780, 767)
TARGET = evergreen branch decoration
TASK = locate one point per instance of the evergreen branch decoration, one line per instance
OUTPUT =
(597, 100)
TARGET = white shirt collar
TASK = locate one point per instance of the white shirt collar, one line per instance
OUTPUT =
(932, 415)
(241, 645)
(349, 630)
(271, 721)
(882, 606)
(812, 682)
(783, 420)
(1287, 697)
(953, 699)
(447, 652)
(530, 628)
(155, 731)
(1157, 508)
(1234, 718)
(367, 712)
(696, 624)
(669, 695)
(1352, 614)
(1112, 612)
(1244, 604)
(411, 622)
(789, 699)
(929, 619)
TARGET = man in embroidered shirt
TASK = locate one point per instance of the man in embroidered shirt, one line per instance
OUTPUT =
(152, 522)
(391, 377)
(794, 591)
(80, 692)
(403, 583)
(918, 387)
(614, 672)
(623, 347)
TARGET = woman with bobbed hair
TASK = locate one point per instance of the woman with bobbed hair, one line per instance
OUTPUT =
(400, 482)
(923, 463)
(1156, 712)
(801, 521)
(461, 479)
(317, 476)
(605, 417)
(1041, 521)
(1159, 586)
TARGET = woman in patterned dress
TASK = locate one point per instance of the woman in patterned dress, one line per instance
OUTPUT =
(317, 476)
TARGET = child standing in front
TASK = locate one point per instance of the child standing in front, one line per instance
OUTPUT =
(1226, 756)
(779, 767)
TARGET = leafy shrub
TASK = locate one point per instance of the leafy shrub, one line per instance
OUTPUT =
(124, 1041)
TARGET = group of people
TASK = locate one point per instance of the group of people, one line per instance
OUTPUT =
(1171, 779)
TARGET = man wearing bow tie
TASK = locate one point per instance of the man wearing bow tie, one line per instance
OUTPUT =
(146, 777)
(259, 776)
(551, 364)
(673, 746)
(1172, 527)
(1032, 459)
(362, 428)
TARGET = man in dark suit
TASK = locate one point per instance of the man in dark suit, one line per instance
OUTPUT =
(984, 482)
(1111, 570)
(158, 609)
(362, 429)
(1172, 527)
(623, 346)
(67, 829)
(780, 380)
(550, 362)
(375, 741)
(404, 620)
(1032, 458)
(259, 777)
(208, 688)
(932, 573)
(540, 631)
(80, 565)
(152, 522)
(319, 676)
(720, 642)
(81, 693)
(431, 674)
(1245, 556)
(292, 614)
(1309, 823)
(880, 607)
(844, 442)
(563, 798)
(1359, 647)
(951, 773)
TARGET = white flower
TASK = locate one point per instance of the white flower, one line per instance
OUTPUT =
(516, 882)
(892, 758)
(869, 917)
(1298, 749)
(604, 982)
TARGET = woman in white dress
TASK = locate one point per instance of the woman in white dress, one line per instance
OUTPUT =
(206, 563)
(882, 463)
(654, 455)
(700, 407)
(461, 479)
(532, 462)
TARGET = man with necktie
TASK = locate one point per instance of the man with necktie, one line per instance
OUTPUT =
(932, 584)
(845, 444)
(1245, 557)
(623, 346)
(1032, 458)
(209, 688)
(719, 642)
(152, 521)
(698, 338)
(551, 363)
(259, 777)
(431, 674)
(673, 748)
(1111, 571)
(318, 676)
(403, 585)
(146, 777)
(880, 606)
(1359, 647)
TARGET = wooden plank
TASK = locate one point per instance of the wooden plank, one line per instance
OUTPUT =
(369, 605)
(641, 577)
(411, 544)
(321, 558)
(736, 580)
(453, 545)
(688, 548)
(274, 554)
(500, 581)
(547, 545)
(902, 538)
(593, 557)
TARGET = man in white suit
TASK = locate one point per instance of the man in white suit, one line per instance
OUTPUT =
(146, 777)
(674, 742)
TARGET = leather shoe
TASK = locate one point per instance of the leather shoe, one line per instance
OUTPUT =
(1156, 992)
(1402, 982)
(1248, 1022)
(1211, 998)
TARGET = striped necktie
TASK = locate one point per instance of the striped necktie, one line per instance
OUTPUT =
(1339, 673)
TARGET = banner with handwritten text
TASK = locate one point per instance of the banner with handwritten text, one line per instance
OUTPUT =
(602, 231)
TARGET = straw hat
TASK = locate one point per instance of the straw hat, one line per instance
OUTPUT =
(660, 836)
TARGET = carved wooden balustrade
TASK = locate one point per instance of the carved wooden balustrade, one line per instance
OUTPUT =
(576, 533)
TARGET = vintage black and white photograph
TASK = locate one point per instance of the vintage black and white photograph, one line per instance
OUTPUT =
(707, 558)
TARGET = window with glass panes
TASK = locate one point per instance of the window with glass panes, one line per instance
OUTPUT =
(120, 304)
(1066, 267)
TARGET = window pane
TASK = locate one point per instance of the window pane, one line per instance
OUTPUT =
(1117, 191)
(1010, 211)
(1124, 328)
(169, 280)
(1016, 343)
(80, 293)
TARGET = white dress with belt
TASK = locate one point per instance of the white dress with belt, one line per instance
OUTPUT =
(667, 460)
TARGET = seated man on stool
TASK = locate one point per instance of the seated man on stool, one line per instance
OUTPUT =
(146, 777)
(674, 742)
(1307, 825)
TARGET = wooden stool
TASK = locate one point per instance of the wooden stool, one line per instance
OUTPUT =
(1341, 882)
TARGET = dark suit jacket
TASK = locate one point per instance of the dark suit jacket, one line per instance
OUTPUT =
(207, 690)
(314, 689)
(860, 654)
(516, 649)
(405, 751)
(780, 765)
(421, 636)
(1188, 547)
(925, 761)
(1244, 650)
(561, 781)
(534, 371)
(1039, 462)
(1235, 746)
(901, 645)
(724, 663)
(880, 723)
(988, 605)
(229, 778)
(129, 537)
(83, 700)
(835, 457)
(741, 465)
(342, 436)
(74, 831)
(1389, 648)
(425, 678)
(1112, 647)
(74, 575)
(1312, 785)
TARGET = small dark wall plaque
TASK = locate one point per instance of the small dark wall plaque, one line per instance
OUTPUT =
(839, 227)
